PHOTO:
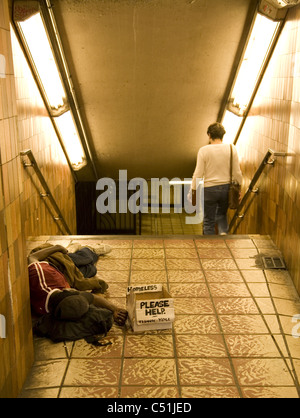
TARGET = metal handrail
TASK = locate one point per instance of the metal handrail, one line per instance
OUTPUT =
(269, 159)
(47, 193)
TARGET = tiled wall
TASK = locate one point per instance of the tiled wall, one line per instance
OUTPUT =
(23, 124)
(275, 123)
(36, 132)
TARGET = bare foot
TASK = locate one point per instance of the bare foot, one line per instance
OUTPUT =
(120, 316)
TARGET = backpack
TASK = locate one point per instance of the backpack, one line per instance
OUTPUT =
(96, 321)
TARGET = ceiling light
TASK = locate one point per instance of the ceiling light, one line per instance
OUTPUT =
(69, 135)
(260, 41)
(36, 39)
(31, 21)
(231, 123)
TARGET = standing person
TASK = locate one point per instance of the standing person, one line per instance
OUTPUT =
(213, 165)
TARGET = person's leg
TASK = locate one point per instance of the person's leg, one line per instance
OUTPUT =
(210, 207)
(222, 208)
(119, 314)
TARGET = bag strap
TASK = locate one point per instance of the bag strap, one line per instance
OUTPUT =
(230, 163)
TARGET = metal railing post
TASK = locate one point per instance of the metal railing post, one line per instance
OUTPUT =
(266, 161)
(47, 194)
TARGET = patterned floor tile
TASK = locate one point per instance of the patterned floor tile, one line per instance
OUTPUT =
(116, 290)
(89, 392)
(202, 371)
(149, 392)
(179, 243)
(283, 291)
(224, 276)
(148, 372)
(93, 372)
(183, 264)
(148, 277)
(243, 324)
(229, 290)
(51, 393)
(235, 306)
(181, 253)
(148, 264)
(209, 392)
(119, 243)
(248, 264)
(148, 243)
(193, 306)
(182, 276)
(253, 346)
(189, 290)
(200, 346)
(118, 253)
(149, 346)
(270, 392)
(210, 243)
(216, 253)
(218, 264)
(255, 276)
(114, 276)
(45, 349)
(148, 253)
(46, 374)
(244, 252)
(113, 264)
(84, 350)
(259, 290)
(240, 243)
(262, 372)
(196, 324)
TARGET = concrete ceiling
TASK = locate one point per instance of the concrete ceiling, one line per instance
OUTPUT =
(150, 76)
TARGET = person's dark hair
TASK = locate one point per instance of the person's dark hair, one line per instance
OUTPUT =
(216, 131)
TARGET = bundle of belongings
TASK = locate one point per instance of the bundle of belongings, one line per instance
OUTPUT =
(69, 314)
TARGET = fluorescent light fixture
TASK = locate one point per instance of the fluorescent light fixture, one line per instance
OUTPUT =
(259, 44)
(36, 38)
(33, 30)
(231, 123)
(69, 135)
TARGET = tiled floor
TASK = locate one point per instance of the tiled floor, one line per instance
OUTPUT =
(233, 336)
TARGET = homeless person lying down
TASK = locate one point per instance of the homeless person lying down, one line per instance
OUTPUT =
(54, 274)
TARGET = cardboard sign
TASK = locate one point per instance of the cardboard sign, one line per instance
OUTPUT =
(150, 307)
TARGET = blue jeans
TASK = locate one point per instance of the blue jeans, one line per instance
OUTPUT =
(215, 209)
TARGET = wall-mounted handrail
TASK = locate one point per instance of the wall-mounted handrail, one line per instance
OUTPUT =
(47, 193)
(269, 159)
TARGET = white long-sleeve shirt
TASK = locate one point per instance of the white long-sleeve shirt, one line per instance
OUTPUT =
(213, 165)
